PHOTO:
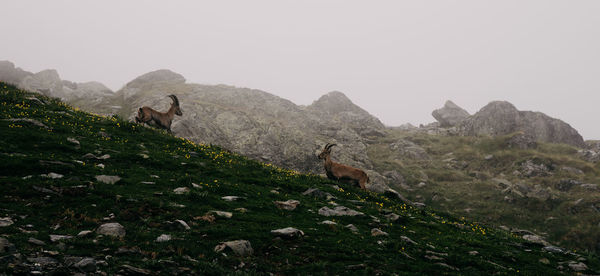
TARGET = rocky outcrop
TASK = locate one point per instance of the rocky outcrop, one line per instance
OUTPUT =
(10, 74)
(335, 109)
(450, 115)
(501, 118)
(258, 124)
(48, 82)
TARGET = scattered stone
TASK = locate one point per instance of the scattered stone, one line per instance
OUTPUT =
(36, 241)
(274, 192)
(288, 232)
(314, 192)
(182, 224)
(545, 261)
(148, 182)
(338, 211)
(163, 238)
(196, 186)
(52, 175)
(377, 232)
(488, 157)
(181, 190)
(392, 217)
(108, 179)
(421, 184)
(55, 238)
(289, 205)
(578, 266)
(26, 120)
(86, 265)
(231, 198)
(131, 270)
(92, 156)
(100, 166)
(352, 228)
(447, 266)
(51, 253)
(73, 141)
(328, 222)
(89, 156)
(375, 219)
(433, 258)
(42, 261)
(222, 214)
(241, 210)
(395, 194)
(84, 233)
(6, 221)
(407, 240)
(473, 253)
(103, 157)
(154, 176)
(239, 247)
(143, 155)
(554, 249)
(419, 204)
(6, 246)
(536, 240)
(111, 229)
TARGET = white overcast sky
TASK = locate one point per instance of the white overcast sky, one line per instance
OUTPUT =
(399, 60)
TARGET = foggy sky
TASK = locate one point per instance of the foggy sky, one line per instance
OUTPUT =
(399, 60)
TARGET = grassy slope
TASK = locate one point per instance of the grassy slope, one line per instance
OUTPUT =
(472, 192)
(79, 202)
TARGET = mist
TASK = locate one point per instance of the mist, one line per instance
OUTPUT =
(399, 60)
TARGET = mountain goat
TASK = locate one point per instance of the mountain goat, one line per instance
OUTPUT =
(161, 119)
(341, 172)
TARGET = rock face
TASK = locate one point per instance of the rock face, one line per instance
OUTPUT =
(450, 115)
(258, 124)
(10, 74)
(501, 118)
(48, 82)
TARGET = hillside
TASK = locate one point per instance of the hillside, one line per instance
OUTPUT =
(67, 173)
(510, 181)
(506, 177)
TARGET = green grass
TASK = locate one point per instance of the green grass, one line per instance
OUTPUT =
(465, 185)
(78, 202)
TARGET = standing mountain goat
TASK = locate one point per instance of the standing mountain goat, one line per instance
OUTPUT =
(161, 119)
(340, 172)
